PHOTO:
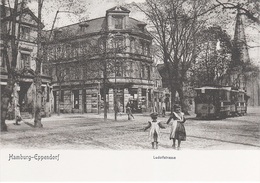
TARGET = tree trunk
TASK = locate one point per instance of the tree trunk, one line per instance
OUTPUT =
(5, 99)
(38, 118)
(105, 98)
(171, 82)
(59, 99)
(38, 79)
(6, 96)
(184, 107)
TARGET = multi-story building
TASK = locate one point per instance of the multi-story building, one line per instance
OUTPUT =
(24, 90)
(112, 51)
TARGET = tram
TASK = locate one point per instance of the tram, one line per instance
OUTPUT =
(219, 102)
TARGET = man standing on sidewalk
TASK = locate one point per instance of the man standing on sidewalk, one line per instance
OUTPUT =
(129, 110)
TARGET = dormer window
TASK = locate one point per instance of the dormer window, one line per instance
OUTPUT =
(83, 26)
(118, 22)
(25, 33)
(141, 26)
(57, 33)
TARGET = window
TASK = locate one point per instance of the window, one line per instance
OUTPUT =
(57, 34)
(83, 27)
(148, 72)
(143, 71)
(132, 45)
(119, 45)
(148, 49)
(118, 22)
(143, 48)
(118, 69)
(25, 61)
(25, 33)
(2, 59)
(76, 99)
(68, 51)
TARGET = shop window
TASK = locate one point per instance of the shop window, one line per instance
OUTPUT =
(76, 99)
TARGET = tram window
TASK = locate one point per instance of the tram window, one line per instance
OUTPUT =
(223, 95)
(202, 98)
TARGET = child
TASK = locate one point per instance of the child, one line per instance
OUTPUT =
(177, 130)
(155, 130)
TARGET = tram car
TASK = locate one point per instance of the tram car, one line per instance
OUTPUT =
(219, 102)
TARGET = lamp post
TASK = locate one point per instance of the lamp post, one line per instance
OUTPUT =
(99, 97)
(116, 38)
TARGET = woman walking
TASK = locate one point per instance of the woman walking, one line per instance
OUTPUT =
(177, 129)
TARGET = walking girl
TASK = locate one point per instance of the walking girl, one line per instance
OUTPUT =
(177, 129)
(155, 130)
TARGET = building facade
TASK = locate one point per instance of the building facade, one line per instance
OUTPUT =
(24, 89)
(111, 54)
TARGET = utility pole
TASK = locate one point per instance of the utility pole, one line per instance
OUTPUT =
(116, 38)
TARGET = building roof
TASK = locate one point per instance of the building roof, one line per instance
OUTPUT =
(95, 26)
(8, 11)
(118, 9)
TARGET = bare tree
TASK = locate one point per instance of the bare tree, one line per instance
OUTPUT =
(37, 78)
(174, 28)
(249, 8)
(213, 57)
(11, 41)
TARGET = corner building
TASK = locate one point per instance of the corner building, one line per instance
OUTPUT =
(76, 55)
(24, 92)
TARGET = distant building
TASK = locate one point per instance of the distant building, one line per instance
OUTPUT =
(24, 90)
(76, 54)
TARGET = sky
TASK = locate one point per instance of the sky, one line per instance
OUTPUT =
(92, 8)
(97, 8)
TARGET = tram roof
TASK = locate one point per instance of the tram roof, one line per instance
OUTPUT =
(214, 88)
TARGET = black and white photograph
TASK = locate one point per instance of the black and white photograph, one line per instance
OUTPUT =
(130, 90)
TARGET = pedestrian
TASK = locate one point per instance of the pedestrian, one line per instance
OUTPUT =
(129, 110)
(163, 111)
(18, 117)
(177, 129)
(155, 130)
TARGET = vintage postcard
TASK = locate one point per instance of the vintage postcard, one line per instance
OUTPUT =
(130, 90)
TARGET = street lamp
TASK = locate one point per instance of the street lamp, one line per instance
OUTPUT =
(99, 97)
(116, 37)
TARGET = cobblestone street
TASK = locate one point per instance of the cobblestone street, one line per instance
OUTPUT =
(89, 131)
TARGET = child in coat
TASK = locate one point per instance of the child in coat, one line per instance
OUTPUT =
(155, 130)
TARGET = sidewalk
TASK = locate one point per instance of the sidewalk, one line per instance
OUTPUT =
(110, 116)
